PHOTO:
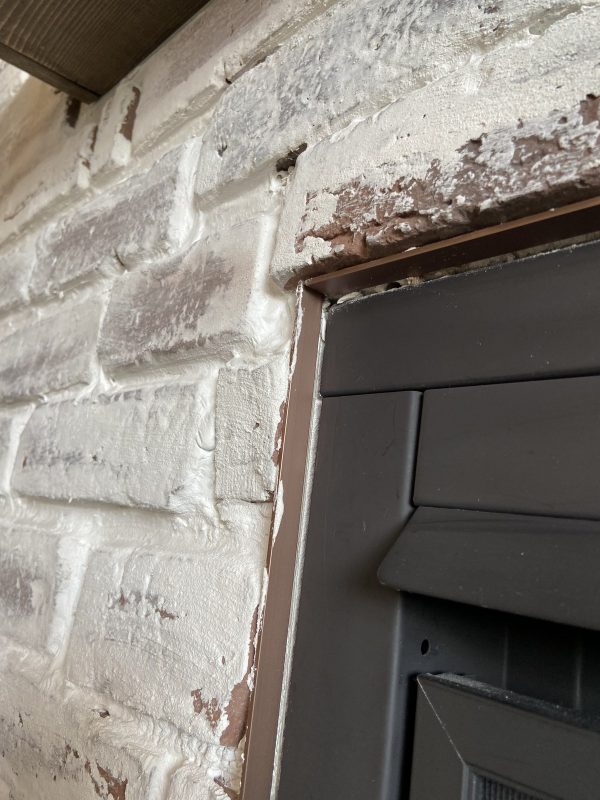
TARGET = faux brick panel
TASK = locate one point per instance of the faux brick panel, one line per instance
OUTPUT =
(512, 133)
(46, 754)
(147, 217)
(54, 353)
(146, 447)
(310, 87)
(213, 300)
(249, 415)
(172, 634)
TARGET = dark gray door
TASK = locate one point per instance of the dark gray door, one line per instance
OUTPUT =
(448, 636)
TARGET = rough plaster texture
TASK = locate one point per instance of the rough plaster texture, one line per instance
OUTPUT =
(143, 447)
(246, 427)
(144, 335)
(58, 356)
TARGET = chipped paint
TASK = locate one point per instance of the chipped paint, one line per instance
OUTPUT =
(236, 710)
(495, 177)
(126, 128)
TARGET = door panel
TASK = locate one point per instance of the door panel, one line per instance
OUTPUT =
(495, 551)
(531, 447)
(343, 695)
(536, 317)
(541, 567)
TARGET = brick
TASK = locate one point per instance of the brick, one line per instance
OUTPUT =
(172, 634)
(181, 79)
(309, 87)
(513, 133)
(249, 412)
(16, 265)
(143, 447)
(28, 565)
(55, 353)
(214, 300)
(11, 425)
(146, 217)
(47, 753)
(216, 777)
(46, 142)
(40, 572)
(112, 149)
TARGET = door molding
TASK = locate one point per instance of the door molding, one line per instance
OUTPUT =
(557, 227)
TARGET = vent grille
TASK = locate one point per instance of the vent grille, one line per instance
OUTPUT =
(488, 789)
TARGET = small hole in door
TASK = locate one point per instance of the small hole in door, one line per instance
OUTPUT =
(424, 647)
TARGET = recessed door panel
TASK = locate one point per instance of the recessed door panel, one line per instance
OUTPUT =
(530, 447)
(536, 317)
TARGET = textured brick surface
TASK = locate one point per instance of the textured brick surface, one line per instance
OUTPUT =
(248, 416)
(45, 753)
(54, 353)
(310, 87)
(46, 140)
(144, 243)
(146, 217)
(393, 181)
(140, 628)
(207, 54)
(112, 149)
(216, 778)
(213, 300)
(28, 567)
(147, 447)
(11, 425)
(16, 265)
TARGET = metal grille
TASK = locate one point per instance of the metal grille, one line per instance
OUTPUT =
(488, 789)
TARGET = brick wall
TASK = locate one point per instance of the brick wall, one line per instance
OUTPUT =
(147, 248)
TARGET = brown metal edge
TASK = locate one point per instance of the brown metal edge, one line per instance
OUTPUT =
(528, 232)
(263, 719)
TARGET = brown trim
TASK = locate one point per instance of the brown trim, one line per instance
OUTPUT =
(46, 74)
(264, 711)
(568, 221)
(529, 232)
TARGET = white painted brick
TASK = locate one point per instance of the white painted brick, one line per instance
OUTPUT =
(11, 425)
(46, 753)
(46, 141)
(146, 447)
(55, 353)
(28, 566)
(249, 413)
(172, 634)
(311, 87)
(216, 777)
(112, 148)
(182, 78)
(16, 265)
(511, 130)
(146, 217)
(215, 300)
